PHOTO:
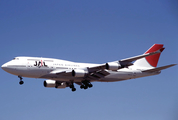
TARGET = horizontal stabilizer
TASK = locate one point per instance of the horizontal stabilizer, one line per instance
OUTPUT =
(159, 68)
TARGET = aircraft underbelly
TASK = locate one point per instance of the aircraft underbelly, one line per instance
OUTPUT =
(112, 77)
(62, 78)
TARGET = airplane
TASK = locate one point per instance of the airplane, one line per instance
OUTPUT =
(61, 73)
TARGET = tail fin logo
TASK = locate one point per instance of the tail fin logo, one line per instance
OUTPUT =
(153, 60)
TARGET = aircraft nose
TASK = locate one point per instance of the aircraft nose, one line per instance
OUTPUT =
(4, 66)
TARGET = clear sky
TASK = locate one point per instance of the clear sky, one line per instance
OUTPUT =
(92, 31)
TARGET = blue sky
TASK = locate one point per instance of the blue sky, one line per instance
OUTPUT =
(92, 31)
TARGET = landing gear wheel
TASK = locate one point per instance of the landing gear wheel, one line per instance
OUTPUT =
(72, 86)
(85, 87)
(90, 85)
(21, 82)
(86, 84)
(82, 86)
(73, 89)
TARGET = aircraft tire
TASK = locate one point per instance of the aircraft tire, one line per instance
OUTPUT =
(90, 85)
(73, 89)
(71, 86)
(21, 82)
(85, 87)
(82, 86)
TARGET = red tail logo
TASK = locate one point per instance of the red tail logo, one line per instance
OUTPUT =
(153, 60)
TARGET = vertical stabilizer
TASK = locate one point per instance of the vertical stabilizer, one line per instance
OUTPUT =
(150, 61)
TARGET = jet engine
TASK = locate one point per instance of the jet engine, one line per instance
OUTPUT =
(53, 83)
(113, 66)
(79, 73)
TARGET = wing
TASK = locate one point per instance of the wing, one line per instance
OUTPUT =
(100, 71)
(97, 74)
(122, 63)
(127, 61)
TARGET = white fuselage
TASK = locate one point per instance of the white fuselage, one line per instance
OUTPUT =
(36, 67)
(62, 73)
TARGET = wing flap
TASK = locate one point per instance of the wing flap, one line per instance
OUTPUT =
(99, 67)
(98, 74)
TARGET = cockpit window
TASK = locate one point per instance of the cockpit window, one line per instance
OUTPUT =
(16, 59)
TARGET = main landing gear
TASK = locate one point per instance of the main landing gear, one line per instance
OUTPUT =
(21, 82)
(86, 84)
(72, 87)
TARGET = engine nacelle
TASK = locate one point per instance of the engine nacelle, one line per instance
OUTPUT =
(78, 73)
(113, 66)
(53, 83)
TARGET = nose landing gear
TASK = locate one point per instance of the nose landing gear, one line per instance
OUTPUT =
(21, 82)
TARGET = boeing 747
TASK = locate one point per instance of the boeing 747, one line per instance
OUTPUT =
(61, 73)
